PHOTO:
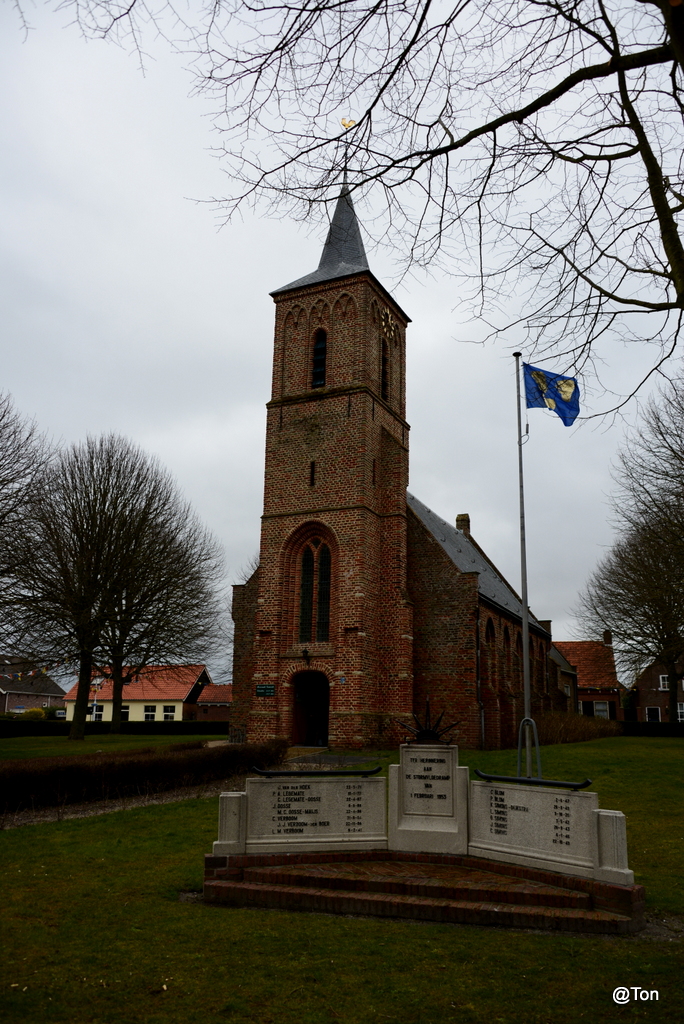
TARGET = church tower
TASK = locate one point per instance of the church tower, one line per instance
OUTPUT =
(323, 649)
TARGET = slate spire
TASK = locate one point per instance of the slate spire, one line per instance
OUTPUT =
(343, 253)
(344, 245)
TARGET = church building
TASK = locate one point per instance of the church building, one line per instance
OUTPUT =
(365, 602)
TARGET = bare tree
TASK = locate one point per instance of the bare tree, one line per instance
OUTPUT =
(536, 144)
(246, 571)
(114, 568)
(637, 592)
(650, 471)
(167, 604)
(23, 453)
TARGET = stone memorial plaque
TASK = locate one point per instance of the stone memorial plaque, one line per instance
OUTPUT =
(549, 828)
(427, 781)
(428, 809)
(315, 813)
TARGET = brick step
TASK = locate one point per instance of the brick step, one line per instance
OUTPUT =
(429, 881)
(420, 908)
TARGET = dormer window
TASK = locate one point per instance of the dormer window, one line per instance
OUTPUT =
(320, 351)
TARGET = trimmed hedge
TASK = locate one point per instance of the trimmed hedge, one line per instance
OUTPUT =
(563, 727)
(654, 729)
(14, 725)
(56, 781)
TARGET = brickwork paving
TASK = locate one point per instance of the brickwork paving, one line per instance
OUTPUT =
(463, 890)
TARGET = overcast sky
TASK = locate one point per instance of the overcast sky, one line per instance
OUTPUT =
(125, 308)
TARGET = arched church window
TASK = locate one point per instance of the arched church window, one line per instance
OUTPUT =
(507, 652)
(489, 655)
(320, 352)
(314, 593)
(306, 595)
(323, 604)
(519, 670)
(384, 371)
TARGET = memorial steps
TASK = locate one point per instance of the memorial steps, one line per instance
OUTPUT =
(424, 887)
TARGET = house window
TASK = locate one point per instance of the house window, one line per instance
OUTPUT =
(320, 352)
(566, 687)
(587, 708)
(150, 712)
(314, 593)
(169, 712)
(652, 714)
(664, 684)
(680, 712)
(97, 712)
(125, 712)
(601, 709)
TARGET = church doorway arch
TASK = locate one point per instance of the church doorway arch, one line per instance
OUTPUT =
(311, 709)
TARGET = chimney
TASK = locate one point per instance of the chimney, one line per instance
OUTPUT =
(463, 523)
(545, 624)
(607, 638)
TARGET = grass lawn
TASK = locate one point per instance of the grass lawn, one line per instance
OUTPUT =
(58, 746)
(93, 928)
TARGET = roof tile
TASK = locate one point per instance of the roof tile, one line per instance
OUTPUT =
(157, 682)
(594, 661)
(216, 694)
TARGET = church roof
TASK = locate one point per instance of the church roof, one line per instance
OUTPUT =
(343, 252)
(467, 556)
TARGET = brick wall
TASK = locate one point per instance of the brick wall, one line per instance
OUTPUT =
(468, 653)
(10, 701)
(649, 694)
(244, 616)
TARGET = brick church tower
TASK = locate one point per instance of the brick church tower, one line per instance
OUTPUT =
(323, 650)
(365, 602)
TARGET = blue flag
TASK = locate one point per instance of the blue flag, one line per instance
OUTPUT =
(546, 390)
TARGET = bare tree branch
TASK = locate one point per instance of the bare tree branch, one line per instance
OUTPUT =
(545, 134)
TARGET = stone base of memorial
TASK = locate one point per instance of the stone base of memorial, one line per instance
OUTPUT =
(428, 801)
(552, 829)
(294, 816)
(435, 887)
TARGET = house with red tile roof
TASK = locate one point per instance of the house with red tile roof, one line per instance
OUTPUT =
(599, 690)
(215, 702)
(160, 693)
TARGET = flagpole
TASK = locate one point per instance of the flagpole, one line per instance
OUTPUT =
(523, 576)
